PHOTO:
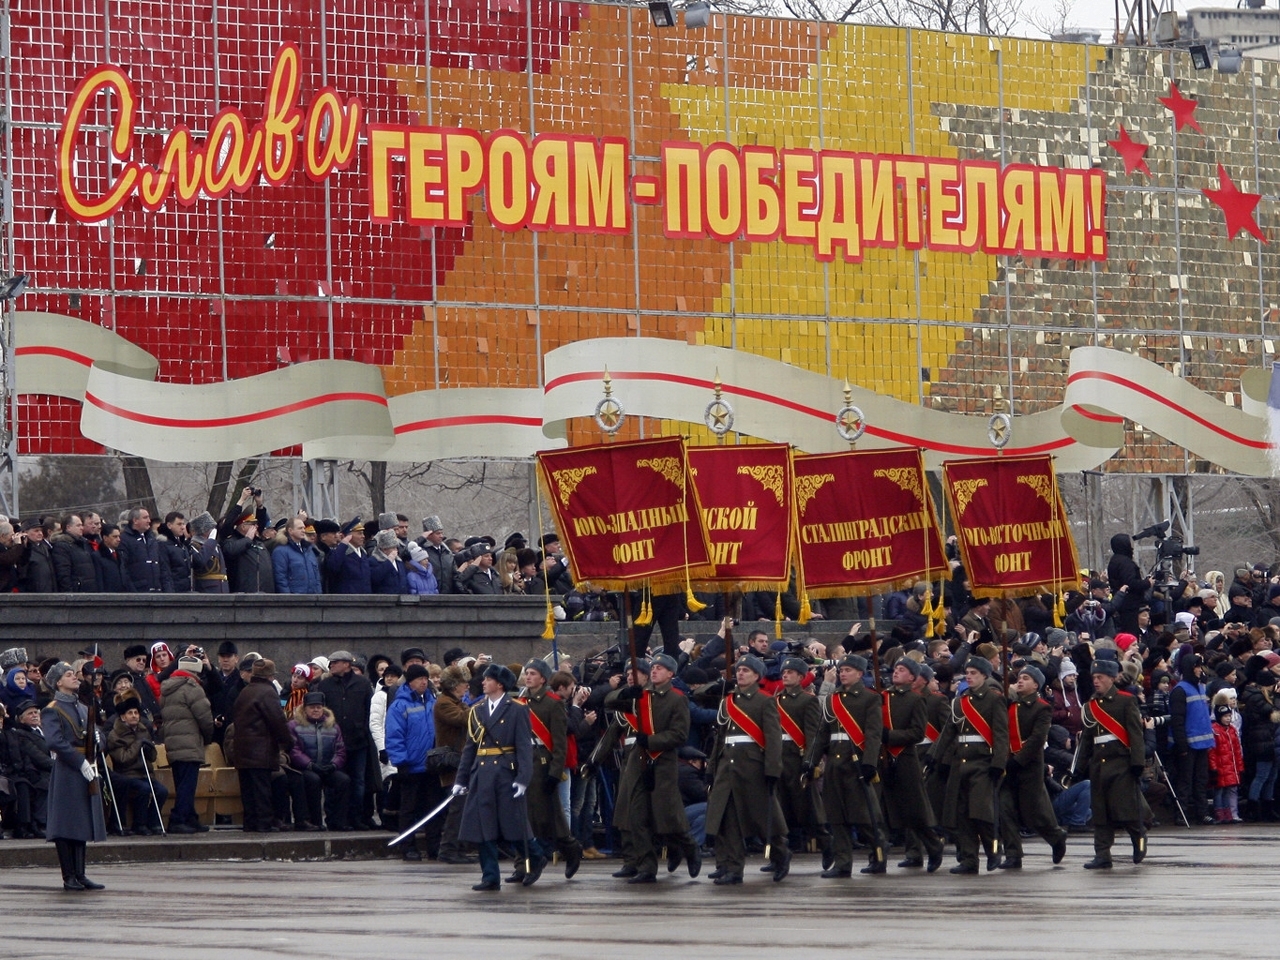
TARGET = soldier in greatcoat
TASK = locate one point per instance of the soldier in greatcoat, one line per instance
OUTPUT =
(75, 803)
(800, 714)
(649, 807)
(1112, 746)
(977, 739)
(494, 774)
(849, 742)
(549, 730)
(1024, 799)
(904, 727)
(748, 762)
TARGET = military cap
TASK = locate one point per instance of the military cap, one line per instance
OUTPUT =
(855, 661)
(1109, 668)
(1035, 673)
(796, 664)
(977, 663)
(496, 671)
(753, 663)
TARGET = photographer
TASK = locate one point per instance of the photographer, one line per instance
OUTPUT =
(1093, 615)
(1128, 586)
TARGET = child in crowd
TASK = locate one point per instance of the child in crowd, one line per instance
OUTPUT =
(1226, 762)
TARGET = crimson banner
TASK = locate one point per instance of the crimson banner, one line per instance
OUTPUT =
(745, 492)
(865, 521)
(1011, 524)
(627, 512)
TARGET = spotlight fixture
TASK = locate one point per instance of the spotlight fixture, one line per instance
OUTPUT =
(661, 13)
(12, 288)
(697, 15)
(1200, 57)
(1229, 60)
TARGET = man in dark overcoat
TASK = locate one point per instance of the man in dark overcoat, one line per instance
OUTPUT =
(494, 774)
(75, 803)
(1112, 746)
(1024, 799)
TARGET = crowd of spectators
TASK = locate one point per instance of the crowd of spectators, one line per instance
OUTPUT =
(247, 552)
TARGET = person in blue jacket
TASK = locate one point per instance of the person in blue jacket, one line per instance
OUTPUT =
(295, 563)
(410, 735)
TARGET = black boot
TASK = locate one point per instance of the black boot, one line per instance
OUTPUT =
(77, 851)
(66, 860)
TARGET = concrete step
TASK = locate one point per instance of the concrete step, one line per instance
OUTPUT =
(217, 844)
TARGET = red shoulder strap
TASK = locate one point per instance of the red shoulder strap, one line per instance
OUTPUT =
(744, 722)
(977, 721)
(790, 727)
(846, 720)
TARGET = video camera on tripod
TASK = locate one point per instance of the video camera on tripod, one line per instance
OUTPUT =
(1168, 549)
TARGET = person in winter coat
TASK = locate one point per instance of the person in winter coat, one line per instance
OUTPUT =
(1258, 705)
(162, 667)
(176, 550)
(73, 565)
(1128, 586)
(16, 689)
(411, 734)
(261, 734)
(113, 576)
(451, 731)
(1226, 763)
(383, 693)
(188, 727)
(348, 695)
(38, 575)
(208, 565)
(75, 808)
(296, 563)
(348, 565)
(148, 572)
(32, 767)
(388, 574)
(422, 581)
(131, 746)
(317, 758)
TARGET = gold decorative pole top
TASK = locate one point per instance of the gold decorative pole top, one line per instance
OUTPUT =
(609, 413)
(849, 421)
(718, 415)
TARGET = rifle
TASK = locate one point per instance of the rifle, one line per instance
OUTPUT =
(91, 738)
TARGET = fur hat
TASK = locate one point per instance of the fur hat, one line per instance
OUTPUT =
(1109, 668)
(1035, 673)
(454, 676)
(13, 657)
(753, 663)
(387, 521)
(665, 660)
(496, 671)
(544, 668)
(129, 700)
(134, 650)
(55, 673)
(386, 539)
(855, 661)
(327, 526)
(911, 664)
(981, 664)
(203, 524)
(264, 668)
(411, 653)
(432, 524)
(796, 664)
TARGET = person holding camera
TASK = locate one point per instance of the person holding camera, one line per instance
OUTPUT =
(1128, 585)
(188, 727)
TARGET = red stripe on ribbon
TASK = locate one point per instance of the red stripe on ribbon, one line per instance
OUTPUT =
(824, 415)
(58, 352)
(1090, 415)
(472, 420)
(243, 418)
(1178, 408)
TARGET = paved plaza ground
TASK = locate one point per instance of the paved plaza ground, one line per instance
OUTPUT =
(1209, 892)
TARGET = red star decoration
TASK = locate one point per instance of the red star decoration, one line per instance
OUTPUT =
(1184, 110)
(1237, 206)
(1133, 154)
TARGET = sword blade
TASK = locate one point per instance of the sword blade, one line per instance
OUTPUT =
(418, 826)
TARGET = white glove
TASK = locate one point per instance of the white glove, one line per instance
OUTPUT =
(87, 771)
(458, 790)
(518, 789)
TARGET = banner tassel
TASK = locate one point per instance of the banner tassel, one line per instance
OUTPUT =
(645, 617)
(926, 611)
(1060, 611)
(806, 611)
(693, 603)
(777, 617)
(549, 628)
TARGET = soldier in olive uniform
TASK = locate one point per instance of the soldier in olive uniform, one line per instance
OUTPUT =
(748, 762)
(1112, 745)
(800, 714)
(978, 731)
(904, 725)
(937, 709)
(549, 729)
(1024, 800)
(850, 743)
(649, 807)
(619, 728)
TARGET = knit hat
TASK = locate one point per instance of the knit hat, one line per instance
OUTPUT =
(417, 554)
(415, 671)
(1221, 711)
(1125, 640)
(321, 662)
(302, 670)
